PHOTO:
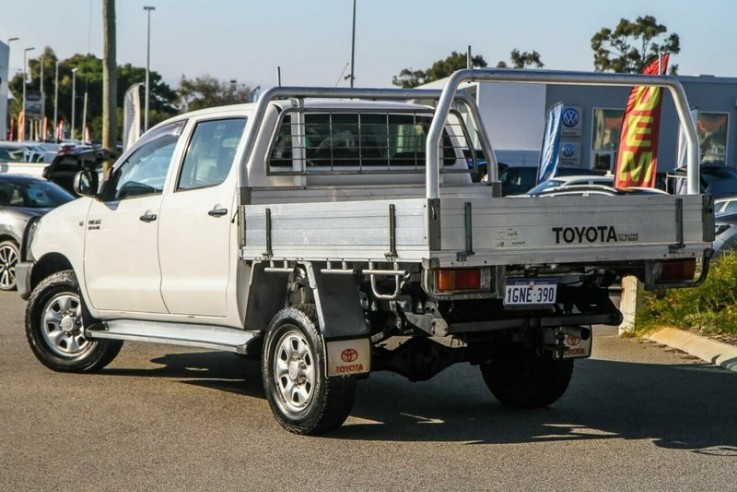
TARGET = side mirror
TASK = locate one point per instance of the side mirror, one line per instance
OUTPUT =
(86, 183)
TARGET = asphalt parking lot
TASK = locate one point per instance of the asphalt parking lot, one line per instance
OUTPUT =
(637, 416)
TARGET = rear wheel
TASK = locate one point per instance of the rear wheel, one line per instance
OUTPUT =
(55, 328)
(301, 396)
(527, 380)
(9, 254)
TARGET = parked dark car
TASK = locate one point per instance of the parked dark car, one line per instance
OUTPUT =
(716, 179)
(68, 163)
(476, 161)
(21, 198)
(11, 153)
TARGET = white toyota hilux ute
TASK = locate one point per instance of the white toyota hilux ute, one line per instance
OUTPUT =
(336, 232)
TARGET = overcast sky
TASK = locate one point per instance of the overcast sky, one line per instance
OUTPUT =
(310, 40)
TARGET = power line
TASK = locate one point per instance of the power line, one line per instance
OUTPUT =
(342, 74)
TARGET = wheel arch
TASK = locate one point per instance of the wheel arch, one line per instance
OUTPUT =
(5, 236)
(48, 265)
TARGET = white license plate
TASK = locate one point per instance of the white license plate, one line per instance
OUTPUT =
(530, 291)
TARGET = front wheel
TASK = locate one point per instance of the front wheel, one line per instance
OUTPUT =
(527, 380)
(55, 328)
(302, 397)
(9, 254)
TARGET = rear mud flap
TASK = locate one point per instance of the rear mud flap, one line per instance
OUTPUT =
(348, 357)
(568, 342)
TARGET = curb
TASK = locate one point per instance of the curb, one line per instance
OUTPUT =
(717, 353)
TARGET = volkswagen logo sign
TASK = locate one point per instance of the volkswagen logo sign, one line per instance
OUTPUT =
(570, 117)
(568, 150)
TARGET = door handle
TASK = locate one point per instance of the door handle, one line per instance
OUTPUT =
(217, 212)
(148, 217)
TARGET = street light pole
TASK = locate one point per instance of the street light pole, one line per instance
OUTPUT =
(56, 98)
(148, 10)
(7, 108)
(43, 98)
(83, 133)
(353, 42)
(25, 116)
(74, 97)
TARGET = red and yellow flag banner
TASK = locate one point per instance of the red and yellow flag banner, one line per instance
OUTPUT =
(637, 159)
(21, 126)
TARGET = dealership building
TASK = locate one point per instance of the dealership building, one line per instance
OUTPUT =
(514, 115)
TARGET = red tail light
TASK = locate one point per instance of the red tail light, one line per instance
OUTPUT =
(678, 270)
(452, 279)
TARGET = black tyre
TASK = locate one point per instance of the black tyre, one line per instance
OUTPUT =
(55, 328)
(9, 254)
(301, 396)
(527, 380)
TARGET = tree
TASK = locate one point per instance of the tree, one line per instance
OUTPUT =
(522, 60)
(207, 91)
(90, 80)
(631, 46)
(409, 78)
(163, 98)
(109, 77)
(48, 59)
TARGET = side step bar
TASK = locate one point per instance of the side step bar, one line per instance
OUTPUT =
(209, 337)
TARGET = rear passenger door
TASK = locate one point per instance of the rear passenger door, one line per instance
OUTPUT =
(197, 244)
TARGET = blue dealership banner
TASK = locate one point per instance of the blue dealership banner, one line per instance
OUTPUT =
(549, 154)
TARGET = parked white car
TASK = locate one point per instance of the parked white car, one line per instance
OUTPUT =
(725, 205)
(565, 181)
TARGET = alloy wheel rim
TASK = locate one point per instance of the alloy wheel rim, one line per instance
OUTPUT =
(8, 260)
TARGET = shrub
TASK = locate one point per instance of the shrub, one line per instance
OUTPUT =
(710, 308)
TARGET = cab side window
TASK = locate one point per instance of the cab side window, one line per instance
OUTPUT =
(210, 154)
(144, 171)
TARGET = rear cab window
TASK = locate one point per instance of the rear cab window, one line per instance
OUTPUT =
(338, 142)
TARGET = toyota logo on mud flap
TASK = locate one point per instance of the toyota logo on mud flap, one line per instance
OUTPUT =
(568, 150)
(349, 355)
(570, 117)
(572, 341)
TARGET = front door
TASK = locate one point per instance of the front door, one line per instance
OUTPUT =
(121, 264)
